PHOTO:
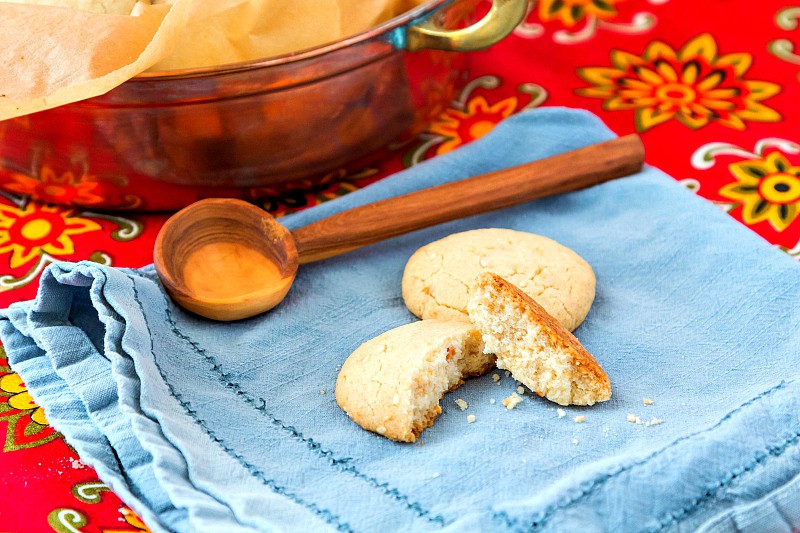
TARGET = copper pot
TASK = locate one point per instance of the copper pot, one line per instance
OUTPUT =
(165, 139)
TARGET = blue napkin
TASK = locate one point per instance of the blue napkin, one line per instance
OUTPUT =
(204, 426)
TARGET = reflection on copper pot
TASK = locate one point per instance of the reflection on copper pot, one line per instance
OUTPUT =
(163, 140)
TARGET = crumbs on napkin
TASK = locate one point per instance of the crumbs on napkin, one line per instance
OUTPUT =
(633, 419)
(512, 401)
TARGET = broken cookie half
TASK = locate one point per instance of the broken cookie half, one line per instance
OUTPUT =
(533, 346)
(393, 384)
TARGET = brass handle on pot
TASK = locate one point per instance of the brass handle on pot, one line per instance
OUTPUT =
(501, 20)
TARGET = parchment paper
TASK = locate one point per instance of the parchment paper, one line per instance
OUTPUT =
(55, 52)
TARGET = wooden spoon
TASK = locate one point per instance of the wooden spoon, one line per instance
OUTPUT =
(227, 259)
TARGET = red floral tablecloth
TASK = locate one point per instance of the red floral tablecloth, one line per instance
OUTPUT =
(712, 87)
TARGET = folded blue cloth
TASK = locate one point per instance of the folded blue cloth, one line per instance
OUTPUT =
(204, 426)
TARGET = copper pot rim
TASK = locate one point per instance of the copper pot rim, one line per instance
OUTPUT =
(389, 25)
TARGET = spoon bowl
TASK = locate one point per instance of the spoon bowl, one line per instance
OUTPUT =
(225, 259)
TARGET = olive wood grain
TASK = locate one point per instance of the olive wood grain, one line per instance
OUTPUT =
(246, 284)
(381, 220)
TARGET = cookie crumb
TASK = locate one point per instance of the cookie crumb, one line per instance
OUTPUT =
(322, 391)
(462, 404)
(561, 413)
(520, 390)
(435, 475)
(381, 430)
(512, 401)
(496, 377)
(647, 401)
(575, 441)
(470, 419)
(579, 419)
(492, 401)
(636, 420)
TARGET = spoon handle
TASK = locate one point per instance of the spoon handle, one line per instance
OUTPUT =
(387, 218)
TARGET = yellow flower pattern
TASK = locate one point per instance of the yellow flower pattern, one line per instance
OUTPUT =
(20, 399)
(694, 85)
(29, 232)
(24, 421)
(768, 189)
(570, 12)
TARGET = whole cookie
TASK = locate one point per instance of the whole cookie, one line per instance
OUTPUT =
(437, 276)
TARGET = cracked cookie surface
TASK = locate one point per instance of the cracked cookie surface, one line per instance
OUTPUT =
(393, 383)
(437, 277)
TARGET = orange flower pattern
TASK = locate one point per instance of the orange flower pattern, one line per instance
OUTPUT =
(462, 126)
(48, 186)
(471, 116)
(695, 85)
(130, 519)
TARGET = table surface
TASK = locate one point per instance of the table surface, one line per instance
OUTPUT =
(712, 87)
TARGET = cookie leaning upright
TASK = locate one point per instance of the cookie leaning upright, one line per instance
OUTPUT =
(437, 276)
(536, 348)
(392, 384)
